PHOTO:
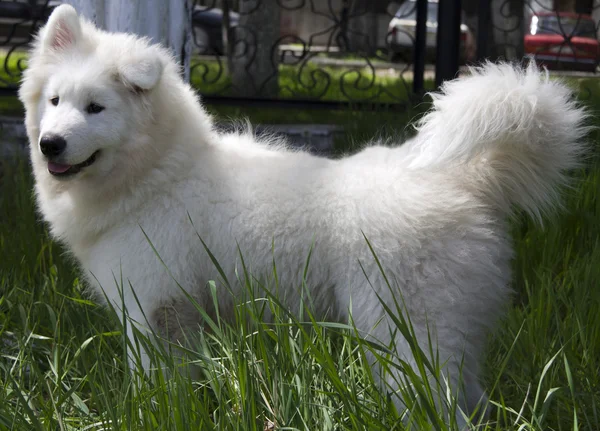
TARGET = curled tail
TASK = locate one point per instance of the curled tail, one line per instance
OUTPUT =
(514, 129)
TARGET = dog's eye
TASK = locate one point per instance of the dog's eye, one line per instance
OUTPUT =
(94, 108)
(54, 101)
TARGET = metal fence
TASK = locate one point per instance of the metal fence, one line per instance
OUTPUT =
(333, 53)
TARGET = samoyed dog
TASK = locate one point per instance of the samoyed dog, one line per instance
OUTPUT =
(130, 171)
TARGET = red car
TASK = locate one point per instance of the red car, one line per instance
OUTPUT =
(561, 40)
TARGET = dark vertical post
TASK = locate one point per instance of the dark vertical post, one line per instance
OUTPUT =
(584, 6)
(226, 35)
(420, 47)
(225, 28)
(448, 40)
(483, 28)
(342, 38)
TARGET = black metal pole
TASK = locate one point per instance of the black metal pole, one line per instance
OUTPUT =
(483, 28)
(448, 40)
(420, 47)
(226, 29)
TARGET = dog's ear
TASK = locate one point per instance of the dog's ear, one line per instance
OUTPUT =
(141, 72)
(63, 29)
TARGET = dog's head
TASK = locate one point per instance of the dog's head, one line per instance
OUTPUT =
(90, 97)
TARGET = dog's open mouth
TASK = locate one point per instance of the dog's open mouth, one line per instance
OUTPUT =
(62, 170)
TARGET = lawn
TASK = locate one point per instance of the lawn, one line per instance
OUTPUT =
(63, 358)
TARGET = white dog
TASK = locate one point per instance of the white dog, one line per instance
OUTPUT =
(125, 159)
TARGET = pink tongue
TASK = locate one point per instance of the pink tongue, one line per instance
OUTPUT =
(58, 168)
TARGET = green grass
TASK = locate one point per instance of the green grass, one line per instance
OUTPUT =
(310, 81)
(63, 357)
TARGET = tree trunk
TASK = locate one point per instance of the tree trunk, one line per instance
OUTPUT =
(255, 57)
(165, 21)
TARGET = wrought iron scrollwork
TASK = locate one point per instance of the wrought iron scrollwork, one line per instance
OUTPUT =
(19, 20)
(332, 50)
(323, 50)
(549, 33)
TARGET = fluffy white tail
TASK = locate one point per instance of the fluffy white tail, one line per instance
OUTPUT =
(518, 131)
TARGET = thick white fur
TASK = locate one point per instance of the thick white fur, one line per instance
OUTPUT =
(434, 209)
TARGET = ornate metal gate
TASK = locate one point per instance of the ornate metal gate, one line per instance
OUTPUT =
(333, 53)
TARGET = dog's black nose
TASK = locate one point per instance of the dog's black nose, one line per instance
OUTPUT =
(52, 145)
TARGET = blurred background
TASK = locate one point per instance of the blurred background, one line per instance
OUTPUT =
(321, 63)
